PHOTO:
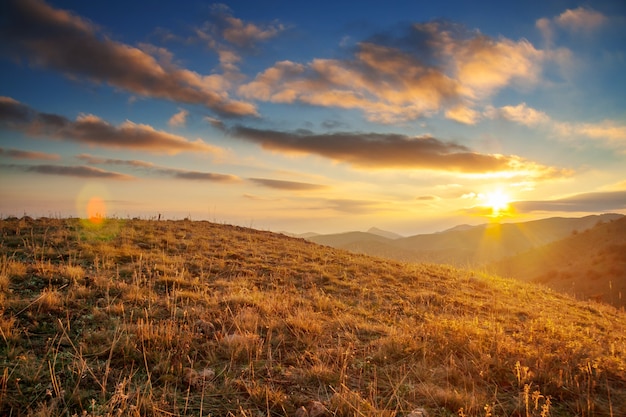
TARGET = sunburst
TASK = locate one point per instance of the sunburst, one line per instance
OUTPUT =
(498, 201)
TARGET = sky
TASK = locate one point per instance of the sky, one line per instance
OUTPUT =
(410, 116)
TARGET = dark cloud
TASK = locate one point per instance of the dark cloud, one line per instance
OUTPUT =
(63, 41)
(353, 206)
(94, 160)
(71, 171)
(287, 185)
(427, 198)
(91, 130)
(19, 154)
(197, 175)
(150, 167)
(587, 202)
(377, 150)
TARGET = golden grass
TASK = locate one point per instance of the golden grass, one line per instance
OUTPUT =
(137, 317)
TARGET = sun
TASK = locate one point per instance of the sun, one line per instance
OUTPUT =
(498, 202)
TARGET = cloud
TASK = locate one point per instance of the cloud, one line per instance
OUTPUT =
(179, 119)
(611, 132)
(354, 206)
(236, 31)
(463, 114)
(19, 154)
(91, 130)
(393, 78)
(580, 20)
(94, 160)
(228, 36)
(427, 198)
(71, 171)
(184, 174)
(588, 202)
(381, 151)
(152, 168)
(287, 185)
(216, 123)
(521, 114)
(247, 34)
(60, 40)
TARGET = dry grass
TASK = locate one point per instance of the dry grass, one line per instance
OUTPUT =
(193, 318)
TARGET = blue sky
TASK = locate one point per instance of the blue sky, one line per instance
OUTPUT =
(326, 116)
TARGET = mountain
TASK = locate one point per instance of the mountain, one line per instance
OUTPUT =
(459, 228)
(188, 318)
(465, 245)
(341, 240)
(587, 264)
(384, 233)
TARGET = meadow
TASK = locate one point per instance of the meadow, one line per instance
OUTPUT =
(134, 317)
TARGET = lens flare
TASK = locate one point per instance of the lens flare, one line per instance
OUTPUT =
(96, 210)
(91, 204)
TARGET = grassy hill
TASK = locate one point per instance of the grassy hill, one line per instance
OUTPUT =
(173, 318)
(588, 264)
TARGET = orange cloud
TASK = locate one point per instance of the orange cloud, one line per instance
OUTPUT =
(484, 65)
(243, 34)
(236, 31)
(390, 151)
(179, 119)
(91, 130)
(521, 114)
(51, 37)
(434, 67)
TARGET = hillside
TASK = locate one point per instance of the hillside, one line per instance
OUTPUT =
(176, 318)
(465, 245)
(588, 264)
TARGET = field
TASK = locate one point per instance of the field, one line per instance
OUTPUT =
(175, 318)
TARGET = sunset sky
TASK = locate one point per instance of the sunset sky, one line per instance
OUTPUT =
(411, 116)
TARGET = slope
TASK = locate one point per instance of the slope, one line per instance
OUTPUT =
(178, 318)
(588, 264)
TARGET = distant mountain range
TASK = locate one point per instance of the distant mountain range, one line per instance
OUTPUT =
(511, 249)
(462, 245)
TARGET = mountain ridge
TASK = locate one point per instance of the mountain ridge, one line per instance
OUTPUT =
(586, 264)
(489, 241)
